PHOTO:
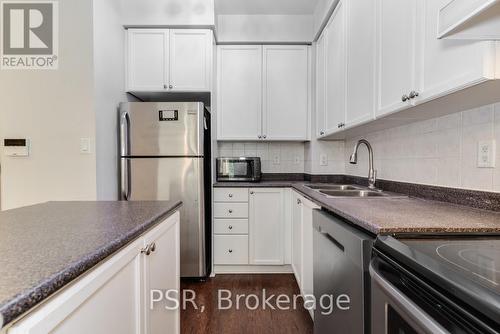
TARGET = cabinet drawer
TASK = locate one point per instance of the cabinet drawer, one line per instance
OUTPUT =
(231, 249)
(231, 226)
(231, 195)
(231, 210)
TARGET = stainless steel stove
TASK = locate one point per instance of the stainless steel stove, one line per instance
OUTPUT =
(436, 285)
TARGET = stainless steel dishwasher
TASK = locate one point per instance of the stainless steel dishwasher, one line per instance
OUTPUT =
(341, 267)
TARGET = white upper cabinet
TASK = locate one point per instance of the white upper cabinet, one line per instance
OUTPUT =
(360, 62)
(166, 60)
(320, 86)
(335, 45)
(414, 66)
(286, 92)
(450, 65)
(266, 226)
(239, 112)
(397, 36)
(190, 59)
(263, 92)
(147, 59)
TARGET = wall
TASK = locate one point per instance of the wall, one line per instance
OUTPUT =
(54, 109)
(168, 12)
(441, 151)
(290, 155)
(109, 87)
(322, 12)
(264, 28)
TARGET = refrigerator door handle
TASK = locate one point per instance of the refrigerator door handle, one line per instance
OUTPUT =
(126, 184)
(125, 138)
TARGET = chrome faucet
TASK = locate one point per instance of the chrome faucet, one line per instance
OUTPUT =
(372, 174)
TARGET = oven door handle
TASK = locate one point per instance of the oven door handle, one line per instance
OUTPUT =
(411, 310)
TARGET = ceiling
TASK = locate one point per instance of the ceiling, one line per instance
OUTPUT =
(265, 7)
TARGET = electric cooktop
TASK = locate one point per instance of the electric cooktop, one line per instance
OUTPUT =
(467, 269)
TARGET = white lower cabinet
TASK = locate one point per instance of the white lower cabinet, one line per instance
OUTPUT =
(161, 273)
(230, 226)
(266, 226)
(114, 297)
(302, 243)
(231, 249)
(253, 236)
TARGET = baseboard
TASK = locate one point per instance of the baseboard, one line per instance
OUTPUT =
(247, 269)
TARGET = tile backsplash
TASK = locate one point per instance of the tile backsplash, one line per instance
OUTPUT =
(441, 151)
(276, 157)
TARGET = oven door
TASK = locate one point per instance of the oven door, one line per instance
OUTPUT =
(393, 312)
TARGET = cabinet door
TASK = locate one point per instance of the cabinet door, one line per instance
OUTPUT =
(190, 59)
(307, 279)
(335, 70)
(147, 60)
(297, 237)
(396, 51)
(286, 92)
(266, 227)
(106, 300)
(239, 113)
(450, 65)
(162, 274)
(360, 62)
(320, 86)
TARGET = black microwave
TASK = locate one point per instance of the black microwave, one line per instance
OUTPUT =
(238, 169)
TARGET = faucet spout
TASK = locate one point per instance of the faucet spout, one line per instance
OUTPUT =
(372, 173)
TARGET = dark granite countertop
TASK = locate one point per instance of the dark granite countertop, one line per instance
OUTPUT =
(392, 215)
(44, 247)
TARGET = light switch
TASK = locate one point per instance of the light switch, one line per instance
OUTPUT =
(323, 160)
(85, 147)
(486, 151)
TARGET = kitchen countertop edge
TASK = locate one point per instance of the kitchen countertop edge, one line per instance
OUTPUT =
(25, 301)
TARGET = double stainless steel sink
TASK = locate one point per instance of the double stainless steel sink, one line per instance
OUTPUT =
(349, 191)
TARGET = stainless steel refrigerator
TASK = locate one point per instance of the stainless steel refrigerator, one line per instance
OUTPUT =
(165, 155)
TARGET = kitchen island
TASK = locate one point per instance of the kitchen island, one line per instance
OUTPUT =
(57, 256)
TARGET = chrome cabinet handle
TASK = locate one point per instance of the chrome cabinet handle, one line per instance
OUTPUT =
(260, 137)
(230, 195)
(299, 201)
(165, 86)
(146, 250)
(230, 211)
(264, 136)
(153, 247)
(251, 193)
(171, 86)
(230, 251)
(405, 98)
(230, 227)
(322, 133)
(413, 94)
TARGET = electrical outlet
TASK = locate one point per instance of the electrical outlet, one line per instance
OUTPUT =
(85, 147)
(323, 160)
(276, 160)
(296, 160)
(486, 154)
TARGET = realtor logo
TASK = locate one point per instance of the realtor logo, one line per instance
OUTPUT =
(29, 32)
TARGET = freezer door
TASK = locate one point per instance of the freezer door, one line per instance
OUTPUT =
(173, 179)
(161, 129)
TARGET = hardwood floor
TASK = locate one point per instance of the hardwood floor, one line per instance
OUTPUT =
(244, 319)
